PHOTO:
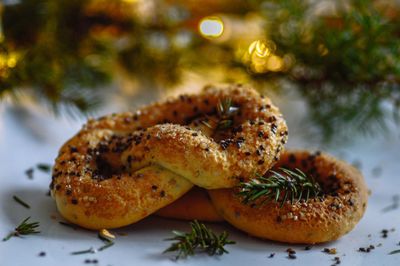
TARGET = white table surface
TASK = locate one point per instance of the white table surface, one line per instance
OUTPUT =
(26, 140)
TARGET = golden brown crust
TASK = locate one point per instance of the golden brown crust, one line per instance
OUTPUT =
(120, 168)
(310, 222)
(194, 205)
(252, 144)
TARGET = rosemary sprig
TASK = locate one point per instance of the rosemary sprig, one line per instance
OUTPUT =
(280, 186)
(20, 201)
(24, 228)
(225, 108)
(225, 112)
(200, 238)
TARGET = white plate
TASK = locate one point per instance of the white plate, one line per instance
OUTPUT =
(26, 142)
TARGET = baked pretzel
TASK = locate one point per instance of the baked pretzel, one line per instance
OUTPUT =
(120, 168)
(317, 220)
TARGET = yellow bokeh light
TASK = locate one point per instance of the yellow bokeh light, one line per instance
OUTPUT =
(259, 68)
(12, 61)
(274, 63)
(259, 48)
(322, 50)
(3, 60)
(8, 60)
(211, 27)
(261, 58)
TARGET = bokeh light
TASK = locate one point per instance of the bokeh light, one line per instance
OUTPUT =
(211, 27)
(259, 48)
(322, 50)
(260, 57)
(7, 61)
(274, 63)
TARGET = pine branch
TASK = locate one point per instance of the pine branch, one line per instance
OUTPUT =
(345, 64)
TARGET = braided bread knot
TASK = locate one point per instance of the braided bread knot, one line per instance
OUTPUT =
(121, 168)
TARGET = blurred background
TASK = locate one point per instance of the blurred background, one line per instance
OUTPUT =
(332, 66)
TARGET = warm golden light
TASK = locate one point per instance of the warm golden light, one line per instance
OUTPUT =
(322, 50)
(7, 61)
(211, 27)
(259, 48)
(12, 61)
(3, 60)
(261, 58)
(274, 63)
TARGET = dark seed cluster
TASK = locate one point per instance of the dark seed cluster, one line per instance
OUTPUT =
(385, 232)
(336, 261)
(366, 249)
(89, 261)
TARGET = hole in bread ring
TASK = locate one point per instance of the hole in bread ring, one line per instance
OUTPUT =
(120, 168)
(318, 219)
(194, 205)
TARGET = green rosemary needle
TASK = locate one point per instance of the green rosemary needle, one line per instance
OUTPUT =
(109, 244)
(86, 251)
(225, 112)
(44, 167)
(91, 250)
(20, 201)
(280, 186)
(394, 252)
(200, 238)
(24, 228)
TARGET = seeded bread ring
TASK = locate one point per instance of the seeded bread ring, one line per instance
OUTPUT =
(89, 193)
(121, 168)
(252, 144)
(314, 221)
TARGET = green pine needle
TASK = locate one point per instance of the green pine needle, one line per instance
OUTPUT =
(200, 238)
(280, 186)
(24, 228)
